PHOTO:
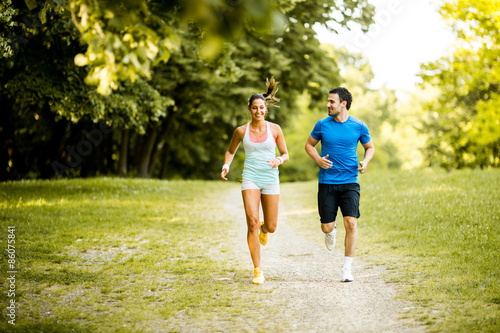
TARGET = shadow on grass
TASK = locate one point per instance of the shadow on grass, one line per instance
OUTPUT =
(65, 277)
(48, 326)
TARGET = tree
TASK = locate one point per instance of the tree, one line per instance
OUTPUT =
(375, 107)
(463, 124)
(42, 83)
(217, 103)
(172, 114)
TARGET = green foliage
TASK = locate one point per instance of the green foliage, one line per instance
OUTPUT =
(215, 94)
(7, 13)
(223, 21)
(181, 118)
(377, 108)
(448, 247)
(463, 123)
(22, 21)
(125, 40)
(134, 105)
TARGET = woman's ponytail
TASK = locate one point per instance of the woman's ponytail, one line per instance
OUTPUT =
(272, 89)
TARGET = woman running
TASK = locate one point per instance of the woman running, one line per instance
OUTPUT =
(260, 173)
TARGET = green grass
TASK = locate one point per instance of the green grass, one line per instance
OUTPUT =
(438, 233)
(121, 255)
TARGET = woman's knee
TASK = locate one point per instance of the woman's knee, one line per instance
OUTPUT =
(271, 227)
(253, 224)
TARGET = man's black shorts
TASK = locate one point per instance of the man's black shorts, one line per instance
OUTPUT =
(331, 197)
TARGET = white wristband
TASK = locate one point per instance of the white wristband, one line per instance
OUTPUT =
(280, 159)
(225, 166)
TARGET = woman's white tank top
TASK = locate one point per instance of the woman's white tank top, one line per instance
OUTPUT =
(256, 167)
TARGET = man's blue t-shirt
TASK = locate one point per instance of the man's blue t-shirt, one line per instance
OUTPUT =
(340, 141)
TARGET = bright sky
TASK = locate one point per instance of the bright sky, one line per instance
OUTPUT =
(406, 34)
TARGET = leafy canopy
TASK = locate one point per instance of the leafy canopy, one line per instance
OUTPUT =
(464, 122)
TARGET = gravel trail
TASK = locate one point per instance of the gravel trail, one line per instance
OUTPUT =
(305, 277)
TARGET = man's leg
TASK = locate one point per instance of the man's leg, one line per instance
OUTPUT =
(330, 230)
(351, 235)
(350, 210)
(327, 207)
(327, 227)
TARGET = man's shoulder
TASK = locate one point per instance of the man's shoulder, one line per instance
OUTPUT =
(325, 120)
(356, 121)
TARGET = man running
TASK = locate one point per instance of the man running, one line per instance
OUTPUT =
(339, 134)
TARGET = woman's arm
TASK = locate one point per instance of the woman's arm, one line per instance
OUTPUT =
(233, 147)
(281, 143)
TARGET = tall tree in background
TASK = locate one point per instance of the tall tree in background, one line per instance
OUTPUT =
(215, 105)
(170, 77)
(463, 124)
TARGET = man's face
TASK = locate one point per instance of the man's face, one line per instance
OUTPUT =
(334, 105)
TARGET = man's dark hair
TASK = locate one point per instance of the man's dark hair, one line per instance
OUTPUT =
(344, 95)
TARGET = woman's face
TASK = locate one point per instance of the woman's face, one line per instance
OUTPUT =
(258, 109)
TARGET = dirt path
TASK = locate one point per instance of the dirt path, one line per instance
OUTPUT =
(305, 277)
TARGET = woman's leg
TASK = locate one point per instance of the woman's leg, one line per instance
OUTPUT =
(270, 203)
(251, 201)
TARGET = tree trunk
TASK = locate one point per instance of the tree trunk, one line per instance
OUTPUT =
(147, 149)
(122, 162)
(166, 159)
(110, 163)
(138, 141)
(166, 146)
(100, 154)
(53, 148)
(154, 157)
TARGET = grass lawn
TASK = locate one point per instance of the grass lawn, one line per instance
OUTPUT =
(121, 255)
(129, 255)
(438, 232)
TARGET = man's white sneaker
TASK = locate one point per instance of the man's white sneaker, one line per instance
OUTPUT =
(346, 275)
(330, 239)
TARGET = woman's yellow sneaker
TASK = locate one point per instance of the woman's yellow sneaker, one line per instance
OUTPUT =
(258, 276)
(263, 238)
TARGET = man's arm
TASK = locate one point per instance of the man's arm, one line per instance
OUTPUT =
(323, 162)
(369, 151)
